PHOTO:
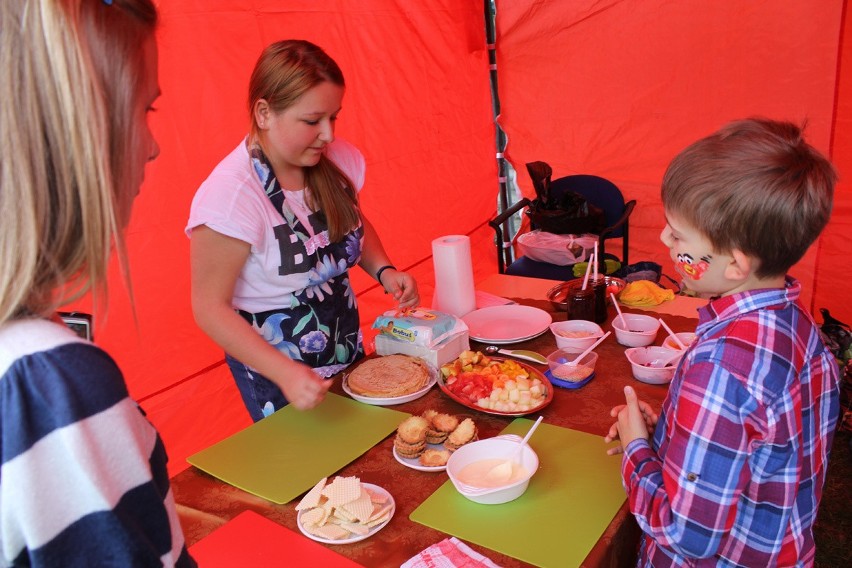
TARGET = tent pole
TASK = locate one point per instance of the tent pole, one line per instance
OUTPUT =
(504, 257)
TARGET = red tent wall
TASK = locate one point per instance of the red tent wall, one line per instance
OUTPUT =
(833, 260)
(603, 87)
(616, 89)
(417, 105)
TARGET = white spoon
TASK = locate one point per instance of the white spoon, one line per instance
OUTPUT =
(672, 334)
(661, 362)
(589, 350)
(502, 472)
(617, 307)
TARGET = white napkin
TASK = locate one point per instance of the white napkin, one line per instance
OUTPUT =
(486, 300)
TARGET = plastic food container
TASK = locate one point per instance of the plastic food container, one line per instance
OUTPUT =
(560, 368)
(635, 330)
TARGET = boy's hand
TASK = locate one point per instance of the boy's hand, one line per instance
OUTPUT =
(636, 419)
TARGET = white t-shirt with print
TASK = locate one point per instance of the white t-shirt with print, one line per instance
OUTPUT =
(232, 202)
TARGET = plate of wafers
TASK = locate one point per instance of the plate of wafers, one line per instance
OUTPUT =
(389, 380)
(344, 511)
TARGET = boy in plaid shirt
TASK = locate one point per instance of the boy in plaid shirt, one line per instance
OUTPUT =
(734, 471)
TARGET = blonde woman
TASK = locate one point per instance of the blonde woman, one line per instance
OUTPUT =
(276, 228)
(83, 479)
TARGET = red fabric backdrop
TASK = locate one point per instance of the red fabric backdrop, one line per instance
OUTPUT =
(590, 86)
(609, 89)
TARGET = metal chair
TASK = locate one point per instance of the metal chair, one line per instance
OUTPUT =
(596, 190)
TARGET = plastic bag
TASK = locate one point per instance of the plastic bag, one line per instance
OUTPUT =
(419, 326)
(570, 214)
(561, 250)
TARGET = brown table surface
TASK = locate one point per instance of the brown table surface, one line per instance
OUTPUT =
(205, 503)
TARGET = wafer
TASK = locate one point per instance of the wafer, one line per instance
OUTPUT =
(312, 497)
(329, 531)
(342, 490)
(315, 516)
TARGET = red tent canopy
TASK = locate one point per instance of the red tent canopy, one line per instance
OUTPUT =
(609, 88)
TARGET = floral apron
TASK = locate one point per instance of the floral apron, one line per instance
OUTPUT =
(320, 327)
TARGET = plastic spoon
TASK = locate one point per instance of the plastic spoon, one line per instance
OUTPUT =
(617, 307)
(518, 354)
(589, 350)
(502, 472)
(672, 334)
(661, 362)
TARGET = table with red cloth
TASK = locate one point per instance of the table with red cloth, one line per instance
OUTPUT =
(205, 503)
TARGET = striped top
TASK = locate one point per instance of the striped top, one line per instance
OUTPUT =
(83, 479)
(735, 470)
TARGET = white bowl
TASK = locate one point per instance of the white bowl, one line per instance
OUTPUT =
(686, 337)
(500, 447)
(635, 330)
(591, 330)
(640, 357)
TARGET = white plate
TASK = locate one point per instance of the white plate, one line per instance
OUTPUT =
(414, 463)
(501, 325)
(433, 371)
(358, 538)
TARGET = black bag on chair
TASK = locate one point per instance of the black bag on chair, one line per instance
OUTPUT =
(566, 214)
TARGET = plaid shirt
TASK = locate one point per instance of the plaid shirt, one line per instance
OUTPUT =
(735, 471)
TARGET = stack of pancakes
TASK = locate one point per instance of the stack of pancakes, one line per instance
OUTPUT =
(389, 377)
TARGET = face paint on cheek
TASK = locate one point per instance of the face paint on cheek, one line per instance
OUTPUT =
(692, 269)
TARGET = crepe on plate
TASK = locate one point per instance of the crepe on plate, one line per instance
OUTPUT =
(389, 376)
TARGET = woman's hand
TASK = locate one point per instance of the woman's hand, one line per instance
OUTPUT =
(635, 420)
(402, 286)
(301, 385)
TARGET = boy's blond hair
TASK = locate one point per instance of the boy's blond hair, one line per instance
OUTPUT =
(757, 186)
(70, 73)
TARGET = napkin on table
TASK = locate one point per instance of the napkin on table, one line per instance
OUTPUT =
(644, 293)
(449, 553)
(486, 300)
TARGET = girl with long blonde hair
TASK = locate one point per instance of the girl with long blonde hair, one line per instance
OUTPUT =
(83, 479)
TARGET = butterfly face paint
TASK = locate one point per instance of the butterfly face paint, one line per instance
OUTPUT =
(687, 265)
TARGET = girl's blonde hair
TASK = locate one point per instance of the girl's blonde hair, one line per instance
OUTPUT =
(283, 73)
(70, 72)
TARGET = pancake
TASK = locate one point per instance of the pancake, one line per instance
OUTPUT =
(388, 377)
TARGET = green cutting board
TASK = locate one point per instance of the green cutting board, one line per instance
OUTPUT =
(288, 452)
(569, 503)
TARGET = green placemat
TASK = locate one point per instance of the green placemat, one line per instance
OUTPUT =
(570, 501)
(285, 454)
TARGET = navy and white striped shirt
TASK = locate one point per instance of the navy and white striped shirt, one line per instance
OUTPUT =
(83, 480)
